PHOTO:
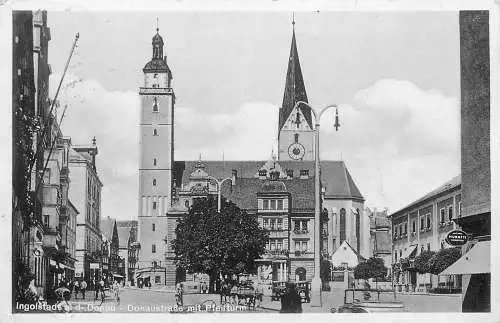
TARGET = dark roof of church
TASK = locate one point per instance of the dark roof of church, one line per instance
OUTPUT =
(157, 65)
(294, 88)
(107, 225)
(334, 176)
(123, 235)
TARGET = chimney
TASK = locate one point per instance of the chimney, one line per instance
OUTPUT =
(234, 175)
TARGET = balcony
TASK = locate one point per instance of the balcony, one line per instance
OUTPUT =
(278, 252)
(298, 253)
(301, 231)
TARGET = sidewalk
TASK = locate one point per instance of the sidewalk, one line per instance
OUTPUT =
(158, 290)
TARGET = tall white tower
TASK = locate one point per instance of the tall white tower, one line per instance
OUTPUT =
(155, 162)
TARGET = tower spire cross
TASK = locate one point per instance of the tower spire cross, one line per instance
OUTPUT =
(157, 29)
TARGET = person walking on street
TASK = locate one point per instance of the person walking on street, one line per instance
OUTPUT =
(76, 288)
(116, 291)
(179, 294)
(83, 288)
(291, 302)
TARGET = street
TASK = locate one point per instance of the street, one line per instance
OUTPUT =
(161, 301)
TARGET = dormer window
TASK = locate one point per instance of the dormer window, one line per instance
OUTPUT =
(155, 104)
(289, 173)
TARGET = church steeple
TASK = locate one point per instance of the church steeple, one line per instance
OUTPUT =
(294, 86)
(157, 45)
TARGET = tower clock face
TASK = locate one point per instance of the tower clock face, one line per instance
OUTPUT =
(296, 151)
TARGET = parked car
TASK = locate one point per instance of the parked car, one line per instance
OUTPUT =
(278, 290)
(304, 288)
(369, 301)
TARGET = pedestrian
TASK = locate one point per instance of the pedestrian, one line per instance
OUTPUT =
(83, 288)
(234, 293)
(116, 290)
(291, 302)
(179, 294)
(76, 288)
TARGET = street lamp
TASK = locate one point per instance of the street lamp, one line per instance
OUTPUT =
(316, 281)
(219, 189)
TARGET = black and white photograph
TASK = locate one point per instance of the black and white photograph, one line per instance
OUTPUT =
(295, 160)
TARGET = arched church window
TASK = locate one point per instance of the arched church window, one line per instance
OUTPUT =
(155, 132)
(154, 161)
(154, 181)
(155, 105)
(342, 225)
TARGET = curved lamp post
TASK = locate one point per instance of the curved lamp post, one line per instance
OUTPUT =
(219, 189)
(316, 281)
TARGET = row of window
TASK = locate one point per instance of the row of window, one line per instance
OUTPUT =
(279, 245)
(446, 215)
(272, 204)
(272, 223)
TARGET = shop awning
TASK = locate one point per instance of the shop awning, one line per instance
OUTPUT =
(475, 261)
(118, 276)
(409, 251)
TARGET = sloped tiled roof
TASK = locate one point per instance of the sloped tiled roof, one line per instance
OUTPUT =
(107, 225)
(334, 174)
(123, 235)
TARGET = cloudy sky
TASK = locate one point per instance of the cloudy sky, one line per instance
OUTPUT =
(396, 76)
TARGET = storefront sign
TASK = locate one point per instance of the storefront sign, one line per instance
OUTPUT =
(94, 265)
(456, 238)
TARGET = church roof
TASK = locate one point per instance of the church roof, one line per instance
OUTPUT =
(123, 235)
(334, 176)
(294, 88)
(156, 65)
(107, 226)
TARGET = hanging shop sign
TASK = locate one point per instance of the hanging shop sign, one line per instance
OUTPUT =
(456, 238)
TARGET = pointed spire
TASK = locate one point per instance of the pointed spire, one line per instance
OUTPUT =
(294, 87)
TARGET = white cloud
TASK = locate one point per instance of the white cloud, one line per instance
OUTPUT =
(398, 141)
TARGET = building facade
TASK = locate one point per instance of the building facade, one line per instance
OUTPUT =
(85, 194)
(423, 225)
(127, 236)
(109, 231)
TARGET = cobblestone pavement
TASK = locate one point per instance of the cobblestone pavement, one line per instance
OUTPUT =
(154, 301)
